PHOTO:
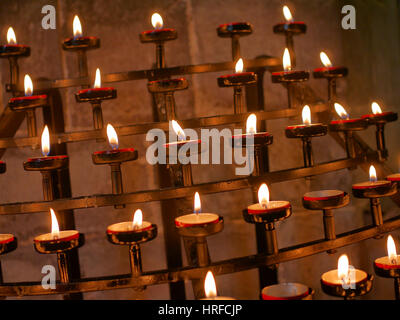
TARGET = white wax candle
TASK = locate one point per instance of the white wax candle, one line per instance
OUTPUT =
(194, 219)
(331, 277)
(285, 291)
(219, 298)
(370, 184)
(387, 263)
(64, 235)
(127, 226)
(6, 237)
(270, 207)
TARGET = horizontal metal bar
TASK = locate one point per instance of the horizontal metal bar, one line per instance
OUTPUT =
(95, 201)
(190, 273)
(270, 63)
(143, 128)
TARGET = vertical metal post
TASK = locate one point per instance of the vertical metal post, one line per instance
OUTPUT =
(376, 211)
(397, 288)
(235, 48)
(160, 55)
(14, 74)
(290, 93)
(307, 152)
(170, 105)
(350, 148)
(237, 100)
(31, 122)
(62, 262)
(97, 116)
(329, 227)
(47, 183)
(135, 260)
(290, 46)
(82, 65)
(331, 90)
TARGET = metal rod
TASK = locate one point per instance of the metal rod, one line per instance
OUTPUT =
(116, 181)
(329, 227)
(47, 183)
(82, 66)
(160, 55)
(203, 257)
(170, 105)
(235, 48)
(62, 262)
(350, 148)
(290, 46)
(238, 100)
(397, 288)
(135, 260)
(331, 90)
(272, 241)
(14, 74)
(31, 122)
(307, 152)
(376, 210)
(97, 116)
(380, 141)
(290, 93)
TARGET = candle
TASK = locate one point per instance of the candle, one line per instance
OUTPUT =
(12, 48)
(159, 33)
(343, 276)
(210, 289)
(167, 85)
(267, 207)
(290, 26)
(259, 138)
(395, 177)
(286, 291)
(307, 129)
(29, 101)
(46, 163)
(392, 260)
(197, 218)
(97, 93)
(78, 41)
(345, 122)
(135, 226)
(289, 75)
(239, 78)
(373, 182)
(227, 30)
(379, 117)
(328, 71)
(182, 140)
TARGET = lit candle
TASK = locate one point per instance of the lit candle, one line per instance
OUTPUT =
(259, 138)
(378, 117)
(328, 71)
(343, 275)
(210, 289)
(197, 218)
(307, 129)
(373, 182)
(345, 122)
(392, 260)
(12, 48)
(181, 137)
(239, 78)
(159, 33)
(265, 206)
(286, 291)
(78, 41)
(288, 75)
(290, 26)
(136, 225)
(97, 93)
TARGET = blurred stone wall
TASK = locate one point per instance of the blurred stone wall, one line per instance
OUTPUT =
(371, 52)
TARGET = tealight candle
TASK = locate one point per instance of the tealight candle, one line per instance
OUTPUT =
(137, 225)
(210, 289)
(12, 48)
(287, 291)
(197, 218)
(237, 81)
(373, 182)
(182, 140)
(28, 103)
(78, 41)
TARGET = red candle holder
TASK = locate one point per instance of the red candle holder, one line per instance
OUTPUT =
(123, 233)
(287, 291)
(237, 81)
(47, 165)
(326, 200)
(8, 243)
(28, 104)
(95, 96)
(235, 30)
(115, 158)
(395, 177)
(167, 87)
(305, 133)
(387, 267)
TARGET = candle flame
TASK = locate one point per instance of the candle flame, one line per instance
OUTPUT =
(287, 66)
(112, 137)
(325, 60)
(239, 66)
(178, 130)
(137, 219)
(376, 108)
(251, 124)
(391, 249)
(372, 174)
(55, 229)
(287, 14)
(197, 203)
(343, 267)
(11, 38)
(306, 115)
(46, 141)
(97, 80)
(28, 85)
(263, 195)
(210, 287)
(341, 111)
(77, 27)
(157, 21)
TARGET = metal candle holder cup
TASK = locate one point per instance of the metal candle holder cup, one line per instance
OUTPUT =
(46, 165)
(95, 96)
(361, 288)
(287, 291)
(331, 74)
(237, 81)
(28, 104)
(290, 78)
(305, 133)
(326, 200)
(167, 87)
(388, 271)
(159, 36)
(133, 239)
(235, 30)
(115, 158)
(12, 52)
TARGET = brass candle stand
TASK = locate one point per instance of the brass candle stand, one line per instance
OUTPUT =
(347, 292)
(331, 74)
(235, 30)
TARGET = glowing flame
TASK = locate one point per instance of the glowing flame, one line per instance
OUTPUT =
(343, 267)
(97, 80)
(210, 287)
(376, 108)
(178, 130)
(157, 21)
(55, 229)
(197, 203)
(287, 66)
(28, 85)
(306, 115)
(77, 27)
(391, 249)
(137, 219)
(325, 60)
(287, 14)
(112, 136)
(251, 124)
(11, 38)
(341, 112)
(46, 141)
(239, 66)
(372, 174)
(263, 195)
